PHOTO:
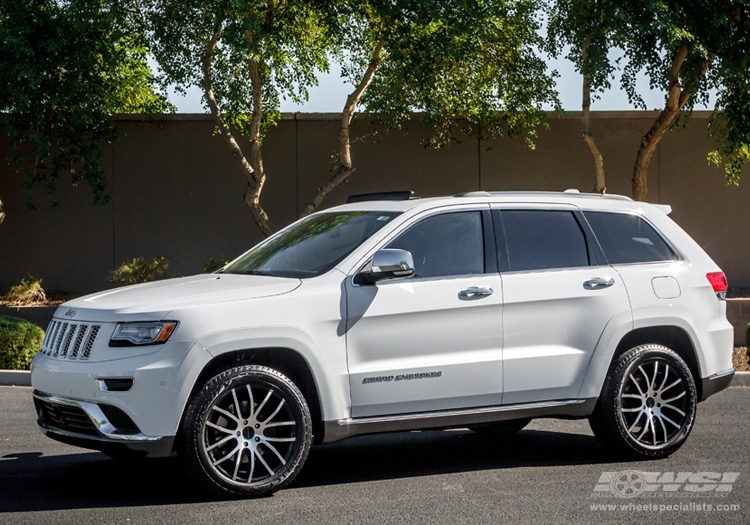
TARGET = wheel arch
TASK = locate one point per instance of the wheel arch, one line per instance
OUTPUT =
(673, 337)
(285, 360)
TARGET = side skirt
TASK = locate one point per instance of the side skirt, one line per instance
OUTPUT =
(346, 428)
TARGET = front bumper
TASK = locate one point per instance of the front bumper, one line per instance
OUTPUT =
(133, 402)
(99, 427)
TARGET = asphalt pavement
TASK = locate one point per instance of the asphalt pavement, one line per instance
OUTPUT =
(551, 472)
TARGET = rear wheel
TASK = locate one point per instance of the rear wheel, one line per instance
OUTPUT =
(246, 433)
(648, 403)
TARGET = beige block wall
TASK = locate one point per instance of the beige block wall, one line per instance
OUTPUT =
(177, 192)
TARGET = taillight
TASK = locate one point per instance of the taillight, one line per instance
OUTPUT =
(719, 283)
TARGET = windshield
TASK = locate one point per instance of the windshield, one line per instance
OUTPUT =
(312, 246)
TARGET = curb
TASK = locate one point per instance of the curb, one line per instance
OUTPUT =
(15, 378)
(23, 378)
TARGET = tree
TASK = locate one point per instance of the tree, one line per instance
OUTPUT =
(469, 65)
(68, 66)
(686, 48)
(245, 56)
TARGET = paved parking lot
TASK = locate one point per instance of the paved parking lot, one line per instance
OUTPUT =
(552, 472)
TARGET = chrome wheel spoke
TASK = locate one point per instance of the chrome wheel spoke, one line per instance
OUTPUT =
(280, 424)
(637, 385)
(220, 442)
(664, 381)
(282, 440)
(227, 414)
(263, 403)
(237, 409)
(252, 401)
(269, 418)
(263, 462)
(672, 407)
(665, 418)
(220, 428)
(632, 396)
(635, 423)
(227, 456)
(273, 449)
(237, 464)
(680, 396)
(656, 371)
(677, 381)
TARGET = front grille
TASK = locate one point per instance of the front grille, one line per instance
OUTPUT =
(69, 340)
(65, 417)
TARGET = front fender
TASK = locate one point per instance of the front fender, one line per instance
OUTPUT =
(329, 372)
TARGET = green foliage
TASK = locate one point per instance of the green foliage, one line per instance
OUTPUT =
(26, 292)
(471, 66)
(747, 340)
(652, 34)
(212, 265)
(140, 270)
(286, 39)
(19, 341)
(67, 68)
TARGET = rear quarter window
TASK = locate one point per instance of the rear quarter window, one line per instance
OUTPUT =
(627, 238)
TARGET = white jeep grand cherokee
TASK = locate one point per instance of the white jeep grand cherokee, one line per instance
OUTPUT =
(390, 313)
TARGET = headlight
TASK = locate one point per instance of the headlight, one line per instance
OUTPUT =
(129, 334)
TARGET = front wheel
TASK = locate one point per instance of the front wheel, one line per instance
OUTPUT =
(647, 406)
(246, 433)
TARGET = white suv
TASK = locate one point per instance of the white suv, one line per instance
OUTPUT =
(390, 313)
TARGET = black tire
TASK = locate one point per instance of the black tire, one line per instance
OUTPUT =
(647, 405)
(246, 433)
(501, 428)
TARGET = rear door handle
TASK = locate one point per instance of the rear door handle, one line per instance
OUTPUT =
(597, 283)
(474, 292)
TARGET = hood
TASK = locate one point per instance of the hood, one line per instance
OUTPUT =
(151, 301)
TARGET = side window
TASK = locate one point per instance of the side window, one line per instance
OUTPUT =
(445, 245)
(543, 239)
(628, 238)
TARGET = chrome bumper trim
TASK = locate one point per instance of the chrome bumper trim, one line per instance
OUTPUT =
(97, 417)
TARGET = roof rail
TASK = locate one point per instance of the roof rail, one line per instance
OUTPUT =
(383, 196)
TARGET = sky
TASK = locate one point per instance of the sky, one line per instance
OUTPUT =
(330, 94)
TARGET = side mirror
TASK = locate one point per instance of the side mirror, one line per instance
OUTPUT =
(388, 264)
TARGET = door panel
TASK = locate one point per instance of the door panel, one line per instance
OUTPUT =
(434, 341)
(419, 346)
(552, 324)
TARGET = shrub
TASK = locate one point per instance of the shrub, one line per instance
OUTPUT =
(26, 293)
(139, 270)
(19, 341)
(214, 264)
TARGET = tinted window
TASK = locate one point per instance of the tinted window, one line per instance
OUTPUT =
(311, 246)
(447, 244)
(628, 238)
(539, 240)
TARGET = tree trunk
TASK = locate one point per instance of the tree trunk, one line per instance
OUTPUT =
(252, 167)
(600, 185)
(2, 212)
(677, 97)
(346, 167)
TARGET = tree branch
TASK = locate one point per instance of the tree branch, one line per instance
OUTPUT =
(346, 167)
(255, 179)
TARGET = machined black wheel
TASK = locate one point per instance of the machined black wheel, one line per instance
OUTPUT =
(648, 403)
(247, 432)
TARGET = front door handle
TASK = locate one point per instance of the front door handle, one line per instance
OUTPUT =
(597, 283)
(474, 292)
